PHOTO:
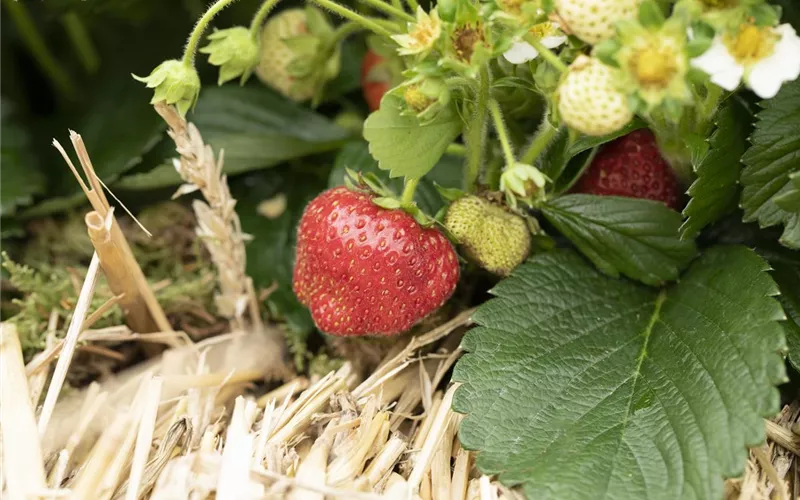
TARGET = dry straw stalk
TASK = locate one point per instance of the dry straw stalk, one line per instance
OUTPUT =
(218, 223)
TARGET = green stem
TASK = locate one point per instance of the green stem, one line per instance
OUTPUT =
(502, 132)
(392, 10)
(540, 141)
(413, 5)
(81, 41)
(476, 130)
(408, 191)
(710, 102)
(546, 53)
(261, 15)
(397, 4)
(199, 28)
(36, 45)
(353, 16)
(456, 149)
(344, 30)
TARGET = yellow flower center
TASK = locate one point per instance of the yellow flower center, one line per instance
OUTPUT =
(751, 43)
(513, 7)
(415, 99)
(542, 30)
(719, 4)
(654, 66)
(425, 32)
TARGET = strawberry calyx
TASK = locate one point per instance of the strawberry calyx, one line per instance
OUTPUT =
(383, 196)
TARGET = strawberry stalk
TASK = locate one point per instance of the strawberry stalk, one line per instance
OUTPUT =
(408, 191)
(346, 13)
(540, 141)
(547, 54)
(194, 38)
(476, 131)
(502, 133)
(394, 11)
(259, 17)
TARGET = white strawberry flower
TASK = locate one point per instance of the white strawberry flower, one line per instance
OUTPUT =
(421, 35)
(549, 36)
(763, 57)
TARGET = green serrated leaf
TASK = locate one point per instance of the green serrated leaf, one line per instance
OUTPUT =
(769, 161)
(270, 255)
(355, 155)
(714, 191)
(257, 128)
(790, 200)
(637, 238)
(404, 146)
(787, 276)
(564, 161)
(583, 387)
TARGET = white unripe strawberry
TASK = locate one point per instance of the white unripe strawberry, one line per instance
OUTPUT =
(276, 55)
(588, 99)
(593, 20)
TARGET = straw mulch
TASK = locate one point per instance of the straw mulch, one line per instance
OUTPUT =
(226, 417)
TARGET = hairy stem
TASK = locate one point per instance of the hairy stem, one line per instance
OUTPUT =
(409, 190)
(476, 130)
(540, 141)
(456, 149)
(261, 15)
(81, 41)
(36, 45)
(502, 132)
(354, 16)
(395, 9)
(547, 54)
(711, 101)
(199, 28)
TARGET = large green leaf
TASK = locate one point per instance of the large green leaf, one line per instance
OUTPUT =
(569, 155)
(118, 129)
(446, 173)
(580, 386)
(714, 192)
(638, 238)
(256, 127)
(21, 177)
(772, 157)
(787, 275)
(270, 256)
(402, 144)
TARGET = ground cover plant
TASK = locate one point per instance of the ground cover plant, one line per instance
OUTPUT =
(384, 248)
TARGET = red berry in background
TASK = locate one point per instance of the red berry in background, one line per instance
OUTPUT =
(632, 166)
(365, 270)
(375, 79)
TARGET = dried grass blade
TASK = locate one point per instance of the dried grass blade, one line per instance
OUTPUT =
(23, 467)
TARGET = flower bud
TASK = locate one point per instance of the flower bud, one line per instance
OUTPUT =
(234, 51)
(522, 181)
(175, 82)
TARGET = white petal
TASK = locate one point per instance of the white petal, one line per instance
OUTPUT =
(520, 52)
(783, 65)
(552, 42)
(720, 65)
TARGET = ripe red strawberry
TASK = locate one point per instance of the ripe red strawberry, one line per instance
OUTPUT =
(376, 79)
(366, 270)
(632, 166)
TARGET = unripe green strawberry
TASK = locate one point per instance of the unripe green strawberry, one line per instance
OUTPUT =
(593, 20)
(589, 101)
(276, 55)
(495, 239)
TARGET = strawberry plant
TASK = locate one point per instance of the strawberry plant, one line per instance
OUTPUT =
(613, 185)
